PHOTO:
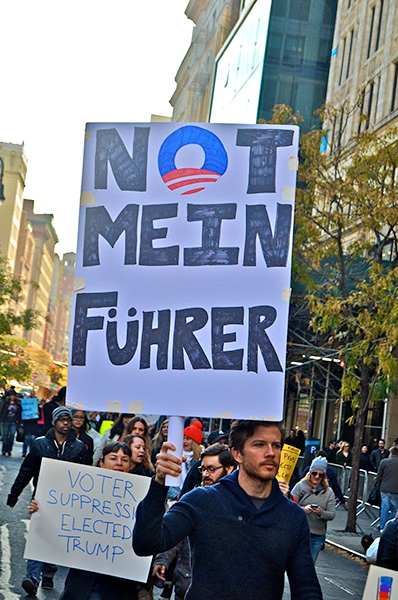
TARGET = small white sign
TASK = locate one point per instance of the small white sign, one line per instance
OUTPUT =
(86, 518)
(381, 584)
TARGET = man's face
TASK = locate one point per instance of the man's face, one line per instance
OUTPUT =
(212, 470)
(382, 444)
(261, 453)
(63, 425)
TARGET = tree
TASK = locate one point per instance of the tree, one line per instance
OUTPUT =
(14, 359)
(10, 297)
(346, 252)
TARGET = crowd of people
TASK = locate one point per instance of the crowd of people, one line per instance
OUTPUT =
(228, 504)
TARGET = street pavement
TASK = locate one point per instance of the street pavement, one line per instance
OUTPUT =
(341, 576)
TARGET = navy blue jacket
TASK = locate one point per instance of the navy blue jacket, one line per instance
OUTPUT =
(237, 550)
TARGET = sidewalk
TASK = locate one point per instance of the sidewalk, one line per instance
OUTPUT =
(337, 537)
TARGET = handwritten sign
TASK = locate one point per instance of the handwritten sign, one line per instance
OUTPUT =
(86, 518)
(183, 269)
(289, 458)
(29, 408)
(381, 584)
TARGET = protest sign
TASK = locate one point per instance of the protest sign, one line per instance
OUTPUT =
(86, 518)
(289, 458)
(183, 269)
(30, 408)
(381, 584)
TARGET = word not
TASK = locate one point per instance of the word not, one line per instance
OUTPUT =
(74, 543)
(130, 171)
(274, 246)
(186, 322)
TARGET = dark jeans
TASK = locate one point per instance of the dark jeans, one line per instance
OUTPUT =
(27, 442)
(9, 430)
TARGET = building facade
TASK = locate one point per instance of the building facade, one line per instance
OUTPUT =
(42, 271)
(15, 166)
(213, 20)
(278, 53)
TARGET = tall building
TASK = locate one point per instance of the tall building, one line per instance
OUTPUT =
(24, 260)
(14, 166)
(69, 284)
(213, 20)
(277, 53)
(365, 57)
(42, 270)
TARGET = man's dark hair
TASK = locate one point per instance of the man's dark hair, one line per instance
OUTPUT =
(115, 447)
(242, 430)
(381, 440)
(224, 455)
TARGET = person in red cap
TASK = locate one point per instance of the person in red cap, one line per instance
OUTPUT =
(193, 437)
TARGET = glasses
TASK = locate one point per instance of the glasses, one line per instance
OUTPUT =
(317, 473)
(76, 418)
(210, 469)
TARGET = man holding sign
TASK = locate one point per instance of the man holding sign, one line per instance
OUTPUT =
(245, 521)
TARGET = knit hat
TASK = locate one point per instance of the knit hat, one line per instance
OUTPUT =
(319, 464)
(59, 412)
(194, 432)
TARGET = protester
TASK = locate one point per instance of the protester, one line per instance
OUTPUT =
(330, 451)
(10, 418)
(140, 461)
(317, 499)
(139, 426)
(387, 554)
(292, 439)
(159, 439)
(88, 585)
(216, 463)
(387, 477)
(81, 425)
(378, 454)
(116, 433)
(59, 443)
(194, 476)
(193, 437)
(244, 534)
(49, 407)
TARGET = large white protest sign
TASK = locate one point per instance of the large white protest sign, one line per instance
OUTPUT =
(183, 269)
(86, 518)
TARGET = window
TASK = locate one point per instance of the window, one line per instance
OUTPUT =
(294, 50)
(342, 61)
(279, 8)
(349, 55)
(299, 9)
(370, 102)
(274, 47)
(394, 96)
(379, 25)
(372, 21)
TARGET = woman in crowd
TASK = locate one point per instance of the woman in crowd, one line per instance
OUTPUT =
(140, 461)
(344, 455)
(116, 433)
(87, 585)
(158, 440)
(317, 499)
(81, 425)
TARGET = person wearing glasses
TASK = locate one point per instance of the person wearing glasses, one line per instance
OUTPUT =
(81, 425)
(59, 443)
(244, 534)
(216, 462)
(317, 499)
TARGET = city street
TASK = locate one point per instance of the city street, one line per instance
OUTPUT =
(340, 577)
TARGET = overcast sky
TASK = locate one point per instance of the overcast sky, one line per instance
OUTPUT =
(67, 63)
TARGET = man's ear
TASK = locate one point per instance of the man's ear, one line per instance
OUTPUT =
(236, 455)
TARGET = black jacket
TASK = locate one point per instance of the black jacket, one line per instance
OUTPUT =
(46, 447)
(387, 554)
(79, 584)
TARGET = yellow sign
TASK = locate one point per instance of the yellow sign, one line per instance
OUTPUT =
(289, 458)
